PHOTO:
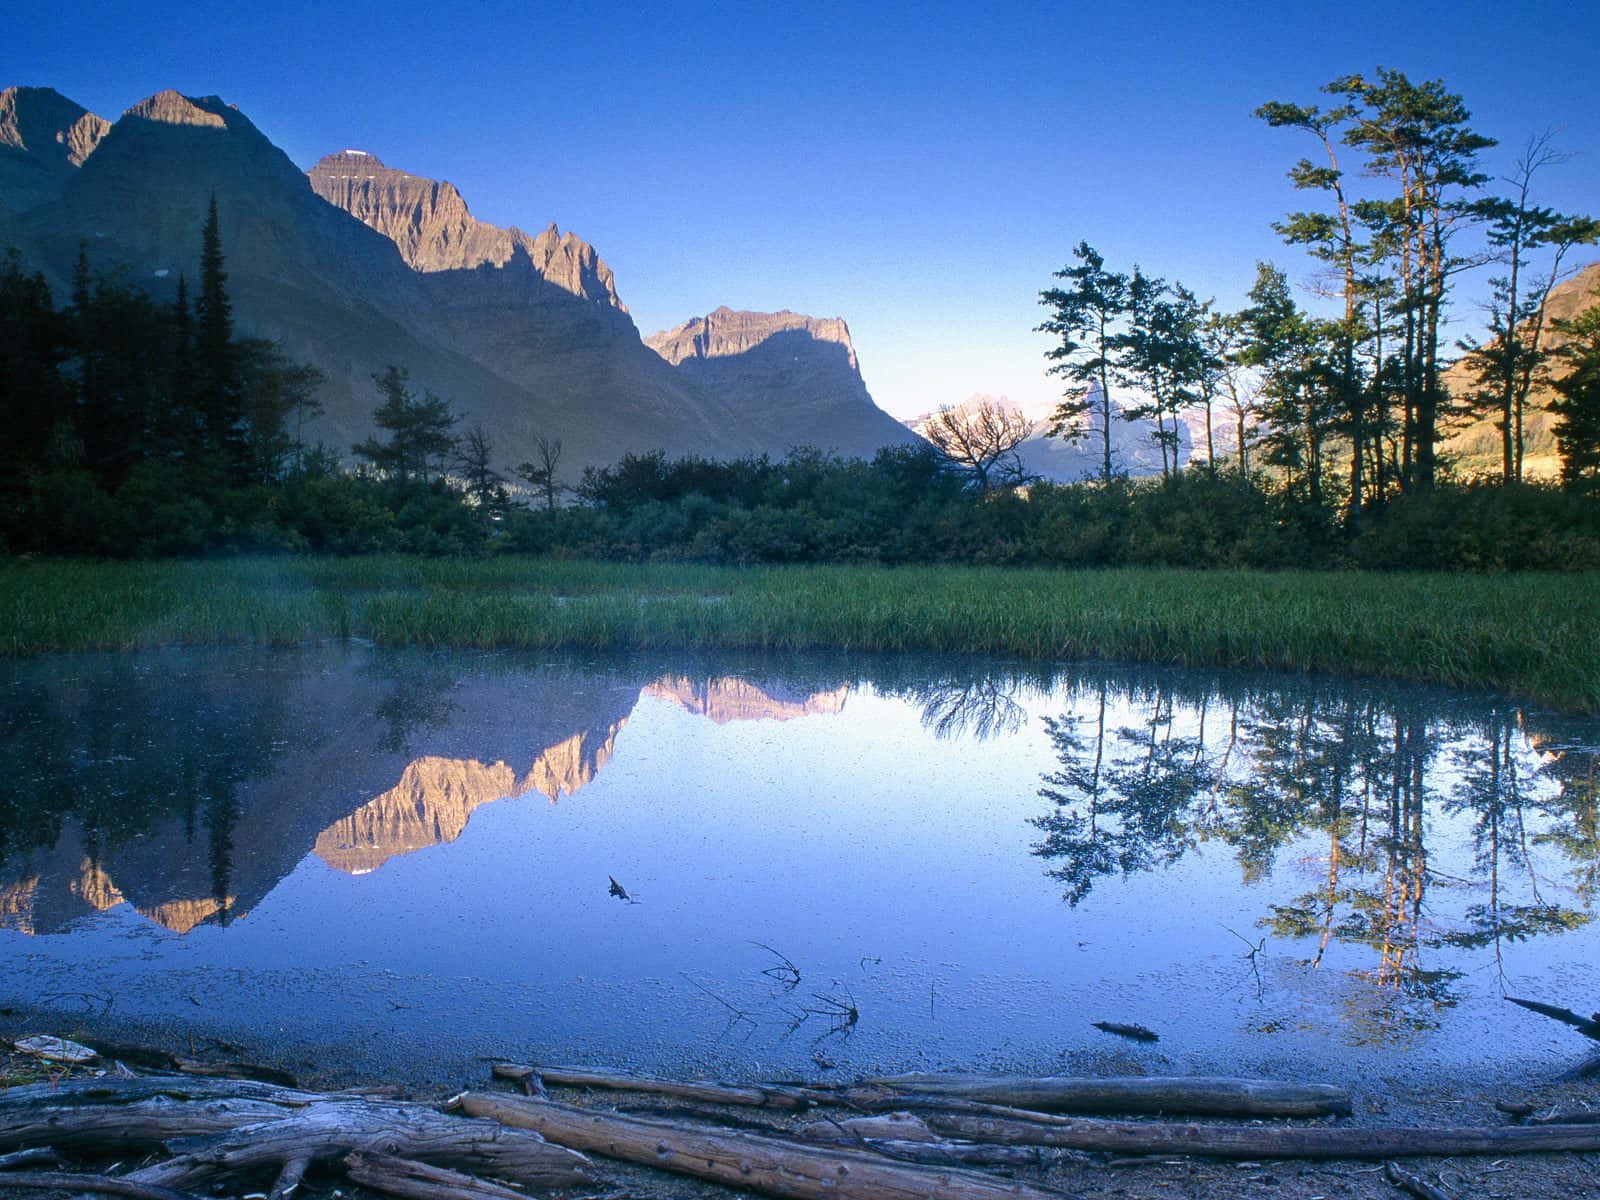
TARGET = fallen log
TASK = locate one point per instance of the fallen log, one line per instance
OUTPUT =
(1257, 1141)
(37, 1156)
(1566, 1116)
(750, 1096)
(1138, 1094)
(137, 1124)
(743, 1160)
(418, 1181)
(73, 1181)
(327, 1130)
(72, 1092)
(939, 1154)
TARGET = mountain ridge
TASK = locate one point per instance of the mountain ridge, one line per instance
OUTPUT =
(523, 334)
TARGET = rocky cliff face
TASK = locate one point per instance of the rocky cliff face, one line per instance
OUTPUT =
(429, 223)
(794, 379)
(44, 137)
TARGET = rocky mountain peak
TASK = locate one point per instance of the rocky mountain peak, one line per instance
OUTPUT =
(428, 220)
(47, 126)
(725, 332)
(172, 108)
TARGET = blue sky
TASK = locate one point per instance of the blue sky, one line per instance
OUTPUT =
(919, 170)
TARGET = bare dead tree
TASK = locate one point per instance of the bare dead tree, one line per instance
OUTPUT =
(540, 473)
(981, 442)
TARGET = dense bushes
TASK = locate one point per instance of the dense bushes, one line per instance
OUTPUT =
(902, 507)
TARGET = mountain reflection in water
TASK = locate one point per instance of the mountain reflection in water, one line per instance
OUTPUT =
(980, 856)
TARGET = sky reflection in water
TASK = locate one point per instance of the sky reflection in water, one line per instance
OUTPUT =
(409, 855)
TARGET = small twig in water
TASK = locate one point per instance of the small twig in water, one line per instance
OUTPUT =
(738, 1013)
(784, 971)
(1255, 949)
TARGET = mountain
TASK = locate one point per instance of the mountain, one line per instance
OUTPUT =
(430, 225)
(358, 266)
(1058, 460)
(44, 137)
(794, 378)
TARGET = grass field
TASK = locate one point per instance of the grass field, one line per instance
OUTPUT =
(1531, 635)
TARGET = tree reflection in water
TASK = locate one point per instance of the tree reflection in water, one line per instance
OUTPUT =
(1355, 783)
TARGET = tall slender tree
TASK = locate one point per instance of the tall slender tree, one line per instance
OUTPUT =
(215, 358)
(1331, 238)
(1417, 137)
(1085, 318)
(1507, 367)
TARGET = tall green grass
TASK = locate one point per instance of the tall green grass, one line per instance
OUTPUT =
(1533, 635)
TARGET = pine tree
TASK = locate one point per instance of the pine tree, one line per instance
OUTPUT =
(1086, 320)
(215, 360)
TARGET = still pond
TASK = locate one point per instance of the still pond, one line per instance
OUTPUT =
(399, 864)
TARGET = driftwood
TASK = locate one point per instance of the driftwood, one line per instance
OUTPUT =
(329, 1129)
(148, 1087)
(418, 1181)
(35, 1157)
(1566, 1116)
(748, 1161)
(1139, 1094)
(1415, 1184)
(137, 1124)
(752, 1096)
(1257, 1141)
(73, 1181)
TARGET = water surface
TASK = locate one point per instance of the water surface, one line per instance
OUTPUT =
(397, 862)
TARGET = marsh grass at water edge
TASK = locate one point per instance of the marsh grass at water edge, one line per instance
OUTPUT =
(1532, 635)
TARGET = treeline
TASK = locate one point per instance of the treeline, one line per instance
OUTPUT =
(135, 428)
(142, 429)
(910, 505)
(1351, 407)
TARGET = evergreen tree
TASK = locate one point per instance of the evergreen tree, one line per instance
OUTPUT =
(1577, 407)
(1086, 317)
(419, 429)
(215, 360)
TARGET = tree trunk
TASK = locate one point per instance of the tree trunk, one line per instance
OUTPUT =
(328, 1130)
(1138, 1094)
(1258, 1141)
(743, 1160)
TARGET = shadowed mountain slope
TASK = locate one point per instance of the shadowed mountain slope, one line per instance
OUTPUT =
(793, 378)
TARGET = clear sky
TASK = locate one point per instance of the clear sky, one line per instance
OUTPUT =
(918, 169)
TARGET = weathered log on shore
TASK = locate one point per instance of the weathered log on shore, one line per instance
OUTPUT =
(1257, 1141)
(74, 1181)
(70, 1092)
(744, 1160)
(1199, 1095)
(749, 1096)
(330, 1129)
(418, 1181)
(140, 1123)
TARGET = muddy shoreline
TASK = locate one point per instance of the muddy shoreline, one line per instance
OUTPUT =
(1378, 1104)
